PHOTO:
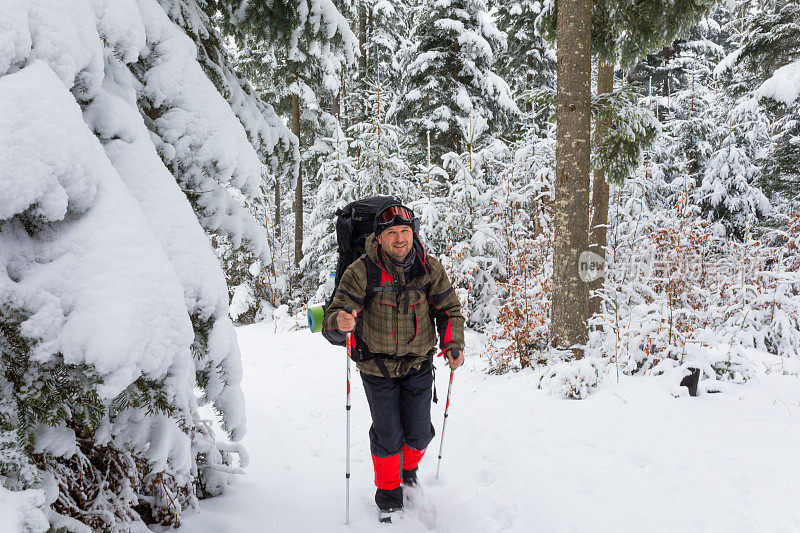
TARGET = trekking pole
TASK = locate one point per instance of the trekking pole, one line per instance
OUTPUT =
(444, 423)
(348, 309)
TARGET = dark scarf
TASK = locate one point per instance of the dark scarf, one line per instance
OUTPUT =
(404, 265)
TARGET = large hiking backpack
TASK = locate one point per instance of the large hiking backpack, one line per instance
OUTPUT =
(354, 223)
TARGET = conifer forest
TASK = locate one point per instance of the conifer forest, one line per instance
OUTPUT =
(613, 189)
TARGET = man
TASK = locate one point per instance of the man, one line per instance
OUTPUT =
(394, 339)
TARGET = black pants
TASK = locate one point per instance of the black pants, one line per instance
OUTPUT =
(401, 411)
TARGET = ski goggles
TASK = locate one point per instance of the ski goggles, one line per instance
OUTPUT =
(389, 215)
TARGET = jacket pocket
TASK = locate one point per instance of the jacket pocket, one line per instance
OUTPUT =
(421, 330)
(379, 333)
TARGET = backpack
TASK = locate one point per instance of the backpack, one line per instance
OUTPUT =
(354, 223)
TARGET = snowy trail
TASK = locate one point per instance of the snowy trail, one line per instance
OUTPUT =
(629, 458)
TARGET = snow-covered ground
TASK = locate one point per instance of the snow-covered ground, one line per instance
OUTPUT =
(631, 457)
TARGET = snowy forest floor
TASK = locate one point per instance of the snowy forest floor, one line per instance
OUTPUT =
(629, 458)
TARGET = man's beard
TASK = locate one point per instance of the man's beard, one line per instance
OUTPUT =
(393, 254)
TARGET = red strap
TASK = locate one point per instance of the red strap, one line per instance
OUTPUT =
(387, 472)
(411, 457)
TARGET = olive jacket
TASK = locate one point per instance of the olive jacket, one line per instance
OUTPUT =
(401, 320)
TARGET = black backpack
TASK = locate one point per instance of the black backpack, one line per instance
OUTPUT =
(354, 223)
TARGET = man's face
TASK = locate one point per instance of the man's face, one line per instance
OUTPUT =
(396, 241)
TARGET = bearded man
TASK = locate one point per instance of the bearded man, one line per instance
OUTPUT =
(401, 298)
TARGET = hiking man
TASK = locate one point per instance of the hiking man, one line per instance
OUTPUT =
(398, 295)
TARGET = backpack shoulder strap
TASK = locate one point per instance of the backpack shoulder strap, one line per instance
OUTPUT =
(373, 279)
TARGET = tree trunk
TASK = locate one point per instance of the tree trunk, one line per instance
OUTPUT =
(529, 83)
(570, 304)
(598, 230)
(369, 29)
(298, 189)
(346, 110)
(277, 209)
(362, 39)
(335, 107)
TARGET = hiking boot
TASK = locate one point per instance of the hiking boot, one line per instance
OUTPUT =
(389, 500)
(410, 478)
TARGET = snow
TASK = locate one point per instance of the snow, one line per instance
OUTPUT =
(199, 134)
(15, 37)
(64, 35)
(455, 26)
(46, 180)
(630, 457)
(22, 511)
(462, 100)
(727, 62)
(783, 86)
(58, 441)
(242, 300)
(67, 279)
(476, 43)
(157, 437)
(120, 27)
(113, 115)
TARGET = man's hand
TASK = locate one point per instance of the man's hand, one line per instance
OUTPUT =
(346, 321)
(455, 358)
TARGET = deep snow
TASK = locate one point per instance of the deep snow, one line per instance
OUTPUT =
(631, 457)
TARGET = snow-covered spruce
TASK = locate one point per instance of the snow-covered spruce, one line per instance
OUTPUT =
(449, 77)
(294, 51)
(250, 275)
(113, 306)
(527, 62)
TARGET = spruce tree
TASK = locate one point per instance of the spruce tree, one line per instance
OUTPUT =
(690, 111)
(138, 152)
(337, 178)
(449, 77)
(527, 62)
(764, 67)
(712, 144)
(247, 270)
(726, 191)
(308, 44)
(388, 35)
